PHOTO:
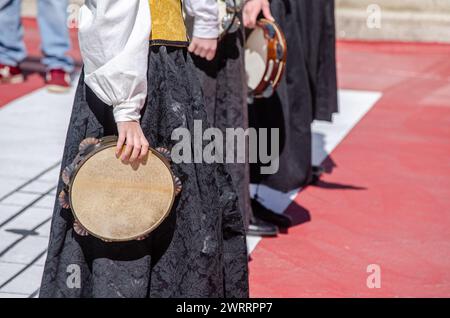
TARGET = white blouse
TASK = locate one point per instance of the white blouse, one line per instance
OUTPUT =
(114, 42)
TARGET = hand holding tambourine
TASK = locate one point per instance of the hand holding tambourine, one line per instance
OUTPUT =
(114, 200)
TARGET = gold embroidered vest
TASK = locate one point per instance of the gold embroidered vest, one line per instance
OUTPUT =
(168, 26)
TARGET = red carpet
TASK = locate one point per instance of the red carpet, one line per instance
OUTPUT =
(400, 219)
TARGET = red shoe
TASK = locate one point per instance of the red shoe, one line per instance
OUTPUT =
(58, 81)
(11, 74)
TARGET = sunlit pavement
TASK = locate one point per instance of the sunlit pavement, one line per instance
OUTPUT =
(384, 208)
(384, 201)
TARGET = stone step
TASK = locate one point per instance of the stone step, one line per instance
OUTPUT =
(397, 20)
(438, 6)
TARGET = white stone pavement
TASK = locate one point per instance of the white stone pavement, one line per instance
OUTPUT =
(32, 135)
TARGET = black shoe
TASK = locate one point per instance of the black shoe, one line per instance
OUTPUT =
(263, 213)
(317, 172)
(258, 227)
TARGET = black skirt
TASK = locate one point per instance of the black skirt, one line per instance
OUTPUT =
(225, 89)
(198, 251)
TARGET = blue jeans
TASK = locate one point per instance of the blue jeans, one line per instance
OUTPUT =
(52, 16)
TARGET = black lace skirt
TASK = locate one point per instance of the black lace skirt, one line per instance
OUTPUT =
(198, 251)
(225, 89)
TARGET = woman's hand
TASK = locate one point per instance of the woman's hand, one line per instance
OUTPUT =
(132, 137)
(205, 48)
(252, 9)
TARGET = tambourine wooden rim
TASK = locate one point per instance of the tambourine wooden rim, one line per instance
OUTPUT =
(272, 74)
(105, 143)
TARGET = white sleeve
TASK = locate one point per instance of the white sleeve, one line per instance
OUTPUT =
(206, 17)
(114, 42)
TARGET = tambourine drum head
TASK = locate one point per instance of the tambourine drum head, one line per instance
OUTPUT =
(117, 202)
(255, 57)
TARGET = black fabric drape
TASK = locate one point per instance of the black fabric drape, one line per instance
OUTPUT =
(317, 25)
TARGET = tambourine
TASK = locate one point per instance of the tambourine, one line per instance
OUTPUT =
(114, 201)
(265, 58)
